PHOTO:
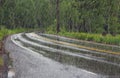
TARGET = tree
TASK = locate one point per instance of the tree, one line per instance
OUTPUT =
(58, 16)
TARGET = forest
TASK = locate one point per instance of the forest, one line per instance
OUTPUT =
(60, 38)
(82, 19)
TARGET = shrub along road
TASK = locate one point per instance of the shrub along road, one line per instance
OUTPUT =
(48, 56)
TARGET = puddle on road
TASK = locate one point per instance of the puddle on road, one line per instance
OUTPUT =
(82, 63)
(92, 45)
(89, 65)
(98, 55)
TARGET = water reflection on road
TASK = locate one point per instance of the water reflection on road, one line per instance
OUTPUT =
(102, 64)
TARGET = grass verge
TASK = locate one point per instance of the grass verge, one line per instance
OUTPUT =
(108, 39)
(4, 31)
(1, 61)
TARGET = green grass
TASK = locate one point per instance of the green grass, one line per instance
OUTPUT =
(108, 39)
(1, 61)
(4, 31)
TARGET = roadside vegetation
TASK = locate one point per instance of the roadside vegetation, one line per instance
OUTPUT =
(93, 20)
(4, 32)
(1, 61)
(1, 57)
(89, 20)
(108, 39)
(99, 38)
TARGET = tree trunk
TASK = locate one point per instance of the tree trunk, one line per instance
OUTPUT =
(58, 16)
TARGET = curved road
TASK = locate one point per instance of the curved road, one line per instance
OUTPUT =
(49, 56)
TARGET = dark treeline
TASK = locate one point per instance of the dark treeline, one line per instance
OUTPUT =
(90, 16)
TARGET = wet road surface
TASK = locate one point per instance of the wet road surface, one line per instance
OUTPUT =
(49, 56)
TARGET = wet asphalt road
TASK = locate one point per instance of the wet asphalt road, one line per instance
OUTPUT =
(49, 56)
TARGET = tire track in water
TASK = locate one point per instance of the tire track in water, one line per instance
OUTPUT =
(104, 56)
(71, 41)
(60, 53)
(25, 57)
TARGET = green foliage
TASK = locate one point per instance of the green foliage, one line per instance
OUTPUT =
(4, 31)
(76, 16)
(109, 39)
(1, 61)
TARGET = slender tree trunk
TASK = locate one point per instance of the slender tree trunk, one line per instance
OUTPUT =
(58, 16)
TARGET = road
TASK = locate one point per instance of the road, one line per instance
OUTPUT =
(37, 55)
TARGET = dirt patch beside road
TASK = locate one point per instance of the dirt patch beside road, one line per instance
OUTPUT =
(4, 61)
